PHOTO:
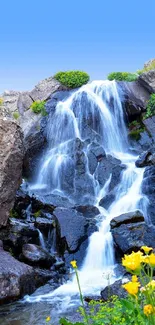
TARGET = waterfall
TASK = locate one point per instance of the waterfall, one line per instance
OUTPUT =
(41, 239)
(98, 104)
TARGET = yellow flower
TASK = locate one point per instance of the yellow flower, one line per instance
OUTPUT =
(152, 259)
(145, 259)
(133, 261)
(74, 265)
(148, 310)
(131, 287)
(48, 319)
(146, 249)
(151, 284)
(134, 278)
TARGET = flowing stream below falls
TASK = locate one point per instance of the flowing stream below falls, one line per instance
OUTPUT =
(105, 113)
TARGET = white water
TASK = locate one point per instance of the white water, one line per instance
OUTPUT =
(105, 111)
(41, 239)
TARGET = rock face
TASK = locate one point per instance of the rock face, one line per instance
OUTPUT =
(148, 188)
(16, 278)
(135, 98)
(147, 79)
(146, 159)
(150, 126)
(35, 255)
(11, 159)
(130, 217)
(45, 88)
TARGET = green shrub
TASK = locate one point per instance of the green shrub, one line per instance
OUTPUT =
(150, 109)
(39, 107)
(122, 76)
(16, 115)
(72, 79)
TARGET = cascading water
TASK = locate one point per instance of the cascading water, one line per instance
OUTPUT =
(94, 111)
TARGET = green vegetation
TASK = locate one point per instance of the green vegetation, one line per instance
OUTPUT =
(72, 79)
(136, 134)
(16, 115)
(1, 101)
(134, 124)
(123, 76)
(150, 109)
(147, 67)
(39, 107)
(37, 214)
(138, 308)
(13, 214)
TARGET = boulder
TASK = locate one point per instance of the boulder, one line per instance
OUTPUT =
(130, 217)
(11, 160)
(114, 289)
(36, 255)
(131, 236)
(16, 278)
(74, 228)
(148, 188)
(44, 223)
(142, 161)
(24, 102)
(134, 97)
(147, 79)
(10, 99)
(45, 88)
(107, 200)
(150, 126)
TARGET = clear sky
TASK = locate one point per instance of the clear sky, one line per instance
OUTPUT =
(39, 38)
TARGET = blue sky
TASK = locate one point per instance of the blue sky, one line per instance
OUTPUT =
(39, 38)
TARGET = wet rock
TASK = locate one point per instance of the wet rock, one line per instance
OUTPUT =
(44, 223)
(143, 159)
(35, 255)
(74, 228)
(135, 98)
(130, 217)
(11, 160)
(150, 126)
(96, 153)
(147, 79)
(148, 188)
(107, 200)
(114, 289)
(17, 279)
(130, 237)
(89, 211)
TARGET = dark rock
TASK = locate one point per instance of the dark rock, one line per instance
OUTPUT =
(35, 255)
(130, 237)
(147, 79)
(74, 228)
(17, 279)
(44, 223)
(107, 200)
(129, 217)
(148, 188)
(150, 126)
(11, 160)
(135, 98)
(114, 289)
(143, 159)
(89, 211)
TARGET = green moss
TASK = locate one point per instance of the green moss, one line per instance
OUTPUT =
(37, 214)
(1, 101)
(13, 214)
(16, 115)
(72, 79)
(123, 76)
(133, 124)
(39, 107)
(136, 134)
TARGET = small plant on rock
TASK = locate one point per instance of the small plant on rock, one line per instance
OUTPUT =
(72, 79)
(1, 101)
(16, 115)
(39, 107)
(150, 109)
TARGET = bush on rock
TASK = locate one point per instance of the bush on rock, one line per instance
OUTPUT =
(123, 76)
(38, 107)
(150, 109)
(72, 79)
